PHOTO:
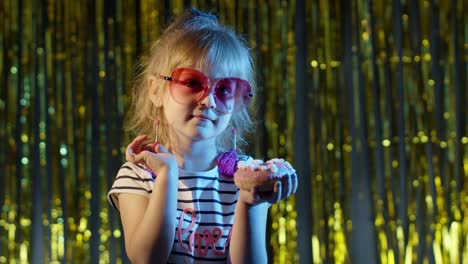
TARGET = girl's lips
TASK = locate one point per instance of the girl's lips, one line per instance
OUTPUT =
(202, 117)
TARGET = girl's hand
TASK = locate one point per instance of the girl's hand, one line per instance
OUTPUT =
(282, 189)
(136, 146)
(153, 155)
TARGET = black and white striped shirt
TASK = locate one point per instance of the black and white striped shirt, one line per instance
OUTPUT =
(206, 203)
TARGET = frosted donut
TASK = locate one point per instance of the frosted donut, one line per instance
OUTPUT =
(262, 174)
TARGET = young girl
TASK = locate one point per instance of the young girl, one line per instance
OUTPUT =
(175, 204)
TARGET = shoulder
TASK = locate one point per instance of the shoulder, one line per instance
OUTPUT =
(131, 167)
(131, 178)
(133, 171)
(131, 174)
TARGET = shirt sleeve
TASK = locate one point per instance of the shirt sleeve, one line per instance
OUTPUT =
(131, 178)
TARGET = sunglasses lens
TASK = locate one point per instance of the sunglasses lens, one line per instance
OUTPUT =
(189, 85)
(231, 94)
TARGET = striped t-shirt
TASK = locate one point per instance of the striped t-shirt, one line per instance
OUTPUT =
(206, 203)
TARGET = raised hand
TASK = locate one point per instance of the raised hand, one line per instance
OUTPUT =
(282, 189)
(137, 146)
(153, 155)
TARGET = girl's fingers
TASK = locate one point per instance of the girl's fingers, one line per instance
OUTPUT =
(294, 183)
(289, 185)
(259, 196)
(286, 182)
(134, 148)
(129, 154)
(159, 148)
(135, 145)
(148, 147)
(277, 192)
(282, 189)
(255, 194)
(140, 157)
(141, 138)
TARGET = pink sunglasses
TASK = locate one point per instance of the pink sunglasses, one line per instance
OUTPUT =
(191, 86)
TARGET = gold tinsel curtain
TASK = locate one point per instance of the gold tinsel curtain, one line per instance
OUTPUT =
(366, 98)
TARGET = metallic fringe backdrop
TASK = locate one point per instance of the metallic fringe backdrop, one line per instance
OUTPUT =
(366, 98)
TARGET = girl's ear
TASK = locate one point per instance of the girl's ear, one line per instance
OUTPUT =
(151, 83)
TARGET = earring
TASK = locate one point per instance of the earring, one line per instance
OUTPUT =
(156, 130)
(227, 161)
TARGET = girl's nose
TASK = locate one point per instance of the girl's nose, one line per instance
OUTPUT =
(208, 101)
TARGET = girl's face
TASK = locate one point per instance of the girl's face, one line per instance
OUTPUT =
(196, 121)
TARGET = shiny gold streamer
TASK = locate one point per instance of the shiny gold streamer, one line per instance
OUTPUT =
(65, 70)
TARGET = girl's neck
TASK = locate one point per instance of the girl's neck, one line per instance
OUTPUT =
(196, 155)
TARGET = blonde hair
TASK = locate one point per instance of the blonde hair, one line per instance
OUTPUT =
(193, 39)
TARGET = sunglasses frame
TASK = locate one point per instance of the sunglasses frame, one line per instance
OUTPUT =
(208, 84)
